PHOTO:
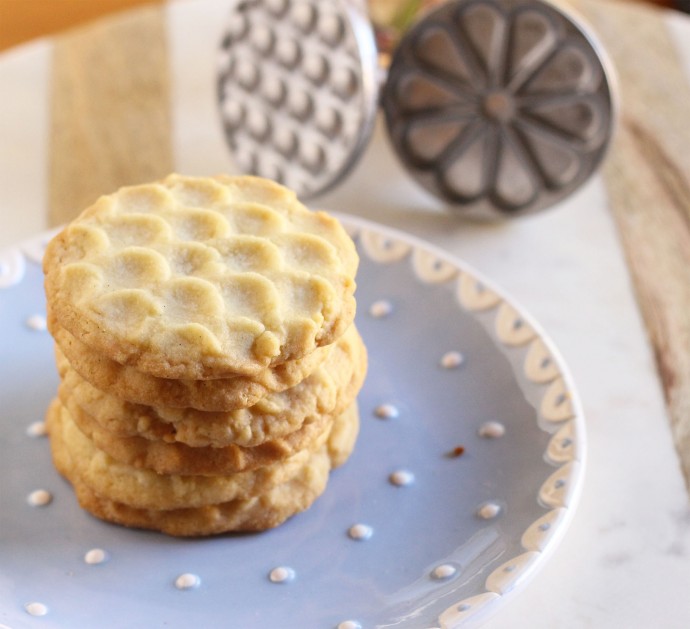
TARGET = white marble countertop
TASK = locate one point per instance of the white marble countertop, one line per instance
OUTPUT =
(625, 562)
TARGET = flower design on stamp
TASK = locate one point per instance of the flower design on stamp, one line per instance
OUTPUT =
(502, 106)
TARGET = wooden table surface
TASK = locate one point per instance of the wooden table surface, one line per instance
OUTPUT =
(648, 180)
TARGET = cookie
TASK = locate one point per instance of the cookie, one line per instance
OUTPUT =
(260, 513)
(118, 493)
(220, 394)
(202, 278)
(177, 458)
(327, 391)
(77, 457)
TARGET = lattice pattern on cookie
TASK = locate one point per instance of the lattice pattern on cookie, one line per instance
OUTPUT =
(202, 278)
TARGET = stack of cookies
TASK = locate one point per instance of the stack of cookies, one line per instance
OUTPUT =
(208, 360)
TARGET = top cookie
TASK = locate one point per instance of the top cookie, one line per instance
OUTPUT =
(202, 278)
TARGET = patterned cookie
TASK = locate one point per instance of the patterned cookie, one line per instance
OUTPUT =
(327, 391)
(196, 278)
(220, 394)
(76, 456)
(265, 511)
(177, 458)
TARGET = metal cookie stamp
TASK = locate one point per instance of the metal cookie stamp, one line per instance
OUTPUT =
(500, 107)
(297, 87)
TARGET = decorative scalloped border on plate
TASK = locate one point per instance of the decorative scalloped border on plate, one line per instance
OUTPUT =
(542, 366)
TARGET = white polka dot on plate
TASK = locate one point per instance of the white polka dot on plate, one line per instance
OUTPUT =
(281, 574)
(36, 609)
(360, 532)
(37, 429)
(187, 581)
(96, 556)
(444, 571)
(39, 498)
(37, 323)
(489, 510)
(401, 478)
(386, 411)
(381, 308)
(452, 360)
(492, 430)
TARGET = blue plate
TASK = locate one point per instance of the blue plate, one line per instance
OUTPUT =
(465, 475)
